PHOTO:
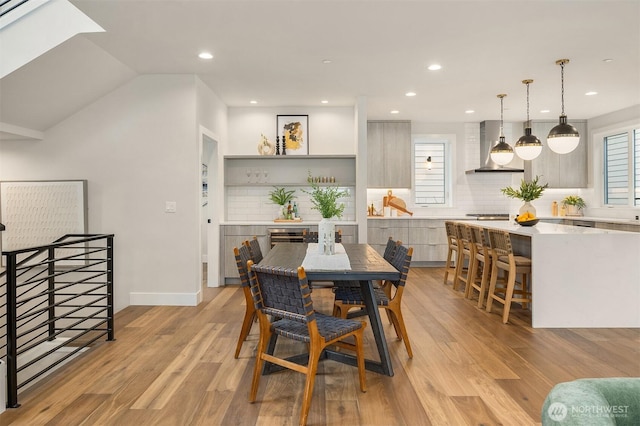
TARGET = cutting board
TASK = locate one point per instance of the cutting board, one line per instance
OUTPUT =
(399, 204)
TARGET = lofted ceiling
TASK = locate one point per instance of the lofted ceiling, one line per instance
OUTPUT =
(273, 52)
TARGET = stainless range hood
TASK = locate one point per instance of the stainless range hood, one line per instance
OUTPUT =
(489, 134)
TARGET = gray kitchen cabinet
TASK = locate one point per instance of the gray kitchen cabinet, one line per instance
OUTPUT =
(559, 170)
(233, 236)
(379, 231)
(349, 232)
(389, 154)
(628, 227)
(428, 238)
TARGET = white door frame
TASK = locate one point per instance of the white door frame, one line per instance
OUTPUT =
(210, 216)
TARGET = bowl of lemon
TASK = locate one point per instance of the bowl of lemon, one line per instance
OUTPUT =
(527, 219)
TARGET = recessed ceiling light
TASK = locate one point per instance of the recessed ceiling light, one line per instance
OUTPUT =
(253, 102)
(410, 94)
(324, 101)
(591, 93)
(607, 60)
(469, 111)
(326, 61)
(434, 67)
(395, 111)
(205, 55)
(545, 111)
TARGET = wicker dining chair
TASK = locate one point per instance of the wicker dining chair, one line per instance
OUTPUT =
(243, 255)
(349, 297)
(312, 236)
(284, 295)
(254, 247)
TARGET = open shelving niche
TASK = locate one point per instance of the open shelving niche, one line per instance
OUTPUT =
(292, 170)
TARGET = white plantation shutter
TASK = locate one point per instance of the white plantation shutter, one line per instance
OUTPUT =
(430, 185)
(622, 169)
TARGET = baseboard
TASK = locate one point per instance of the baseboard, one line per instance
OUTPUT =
(164, 299)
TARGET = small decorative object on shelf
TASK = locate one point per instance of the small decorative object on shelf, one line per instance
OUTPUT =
(528, 192)
(277, 145)
(265, 147)
(574, 205)
(284, 146)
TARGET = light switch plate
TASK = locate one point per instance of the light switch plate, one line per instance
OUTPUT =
(170, 207)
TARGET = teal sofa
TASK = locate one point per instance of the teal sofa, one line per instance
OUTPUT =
(593, 402)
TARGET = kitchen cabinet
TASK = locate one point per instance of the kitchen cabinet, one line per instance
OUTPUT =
(559, 170)
(234, 236)
(628, 227)
(379, 231)
(349, 232)
(427, 237)
(389, 154)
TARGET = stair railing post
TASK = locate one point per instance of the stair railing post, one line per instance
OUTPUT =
(110, 321)
(12, 333)
(51, 294)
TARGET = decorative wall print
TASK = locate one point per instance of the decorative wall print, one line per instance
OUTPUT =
(294, 131)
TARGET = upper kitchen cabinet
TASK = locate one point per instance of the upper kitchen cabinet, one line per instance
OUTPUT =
(559, 170)
(389, 154)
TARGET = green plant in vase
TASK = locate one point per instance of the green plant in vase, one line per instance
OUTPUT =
(325, 200)
(281, 197)
(574, 204)
(527, 192)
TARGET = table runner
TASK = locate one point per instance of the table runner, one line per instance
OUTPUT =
(315, 261)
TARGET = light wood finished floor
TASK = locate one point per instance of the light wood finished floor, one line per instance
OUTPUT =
(175, 366)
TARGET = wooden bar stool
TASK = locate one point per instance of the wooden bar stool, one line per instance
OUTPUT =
(452, 251)
(480, 268)
(464, 255)
(513, 265)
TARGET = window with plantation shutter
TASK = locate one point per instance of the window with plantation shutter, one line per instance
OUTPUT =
(431, 178)
(622, 168)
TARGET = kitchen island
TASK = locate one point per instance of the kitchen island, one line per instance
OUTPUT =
(581, 277)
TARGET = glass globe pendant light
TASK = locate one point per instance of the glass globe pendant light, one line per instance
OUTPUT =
(563, 138)
(501, 153)
(528, 146)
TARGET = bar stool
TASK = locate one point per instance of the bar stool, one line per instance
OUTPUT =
(452, 241)
(513, 265)
(462, 274)
(481, 259)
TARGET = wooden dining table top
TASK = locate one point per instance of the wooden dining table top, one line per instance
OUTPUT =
(366, 263)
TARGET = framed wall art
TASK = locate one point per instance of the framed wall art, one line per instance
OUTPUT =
(294, 131)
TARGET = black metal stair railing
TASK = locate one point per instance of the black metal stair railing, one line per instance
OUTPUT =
(56, 300)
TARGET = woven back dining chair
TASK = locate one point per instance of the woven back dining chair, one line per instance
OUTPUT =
(312, 236)
(284, 295)
(348, 297)
(243, 255)
(254, 247)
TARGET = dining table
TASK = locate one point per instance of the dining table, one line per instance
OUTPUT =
(366, 265)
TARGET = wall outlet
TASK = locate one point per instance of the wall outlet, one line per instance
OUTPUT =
(170, 207)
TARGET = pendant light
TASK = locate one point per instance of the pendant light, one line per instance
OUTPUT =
(428, 163)
(528, 146)
(563, 138)
(501, 153)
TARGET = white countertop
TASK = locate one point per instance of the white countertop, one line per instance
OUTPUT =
(281, 224)
(543, 228)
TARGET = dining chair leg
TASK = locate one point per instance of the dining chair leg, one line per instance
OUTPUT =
(247, 322)
(265, 337)
(492, 286)
(508, 296)
(359, 337)
(486, 270)
(403, 331)
(312, 369)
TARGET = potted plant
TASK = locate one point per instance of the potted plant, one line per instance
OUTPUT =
(574, 205)
(528, 192)
(325, 200)
(281, 197)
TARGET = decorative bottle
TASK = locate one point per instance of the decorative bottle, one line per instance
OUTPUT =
(554, 208)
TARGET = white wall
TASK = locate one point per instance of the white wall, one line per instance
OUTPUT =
(138, 148)
(331, 129)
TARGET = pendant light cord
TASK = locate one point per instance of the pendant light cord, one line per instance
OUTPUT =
(501, 116)
(561, 85)
(528, 121)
